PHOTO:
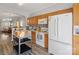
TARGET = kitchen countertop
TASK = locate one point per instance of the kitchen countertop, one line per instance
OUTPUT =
(34, 31)
(40, 31)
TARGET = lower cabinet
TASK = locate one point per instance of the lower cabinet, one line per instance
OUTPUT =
(46, 40)
(34, 37)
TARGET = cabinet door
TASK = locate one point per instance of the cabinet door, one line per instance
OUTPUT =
(65, 28)
(46, 40)
(35, 21)
(30, 21)
(34, 37)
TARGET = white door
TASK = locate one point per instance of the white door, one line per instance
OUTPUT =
(65, 28)
(52, 31)
(52, 27)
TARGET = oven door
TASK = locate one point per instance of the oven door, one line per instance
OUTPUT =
(40, 39)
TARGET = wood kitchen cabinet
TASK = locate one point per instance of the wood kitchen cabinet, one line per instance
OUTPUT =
(34, 37)
(29, 21)
(75, 40)
(32, 21)
(46, 40)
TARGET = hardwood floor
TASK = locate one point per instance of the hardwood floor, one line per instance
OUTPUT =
(6, 46)
(37, 50)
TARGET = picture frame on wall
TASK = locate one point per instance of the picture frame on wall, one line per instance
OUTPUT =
(76, 30)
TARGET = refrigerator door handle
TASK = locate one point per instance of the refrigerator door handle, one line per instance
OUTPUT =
(57, 27)
(54, 27)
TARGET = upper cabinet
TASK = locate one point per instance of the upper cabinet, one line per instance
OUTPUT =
(32, 21)
(76, 14)
(42, 21)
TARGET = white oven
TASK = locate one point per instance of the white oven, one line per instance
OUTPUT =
(40, 38)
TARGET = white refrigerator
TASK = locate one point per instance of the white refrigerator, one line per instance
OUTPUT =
(60, 34)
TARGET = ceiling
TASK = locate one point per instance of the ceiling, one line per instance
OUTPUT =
(24, 9)
(13, 9)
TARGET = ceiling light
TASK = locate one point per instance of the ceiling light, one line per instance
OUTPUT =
(20, 4)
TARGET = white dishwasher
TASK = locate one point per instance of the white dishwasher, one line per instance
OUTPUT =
(40, 38)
